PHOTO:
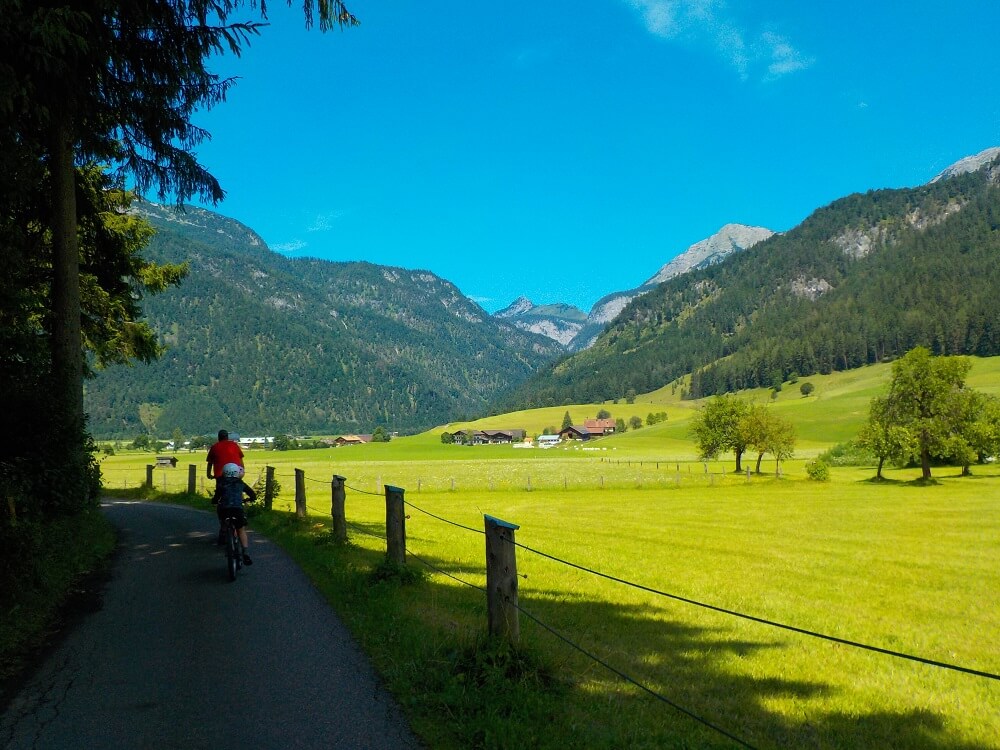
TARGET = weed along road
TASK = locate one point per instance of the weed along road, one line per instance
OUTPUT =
(178, 657)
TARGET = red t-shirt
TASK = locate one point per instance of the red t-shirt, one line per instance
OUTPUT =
(222, 453)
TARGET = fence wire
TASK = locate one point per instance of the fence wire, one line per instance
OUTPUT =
(764, 621)
(436, 569)
(445, 520)
(631, 680)
(363, 492)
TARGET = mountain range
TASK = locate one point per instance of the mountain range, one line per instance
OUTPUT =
(262, 343)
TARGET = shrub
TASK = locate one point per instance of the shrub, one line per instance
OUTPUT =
(848, 454)
(818, 471)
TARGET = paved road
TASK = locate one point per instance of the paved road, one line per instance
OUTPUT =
(178, 657)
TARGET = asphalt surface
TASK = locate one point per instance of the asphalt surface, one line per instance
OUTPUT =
(179, 657)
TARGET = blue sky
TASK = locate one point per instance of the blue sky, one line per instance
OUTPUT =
(564, 150)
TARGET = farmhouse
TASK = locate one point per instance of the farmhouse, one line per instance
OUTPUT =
(600, 426)
(502, 436)
(577, 432)
(547, 441)
(352, 440)
(488, 437)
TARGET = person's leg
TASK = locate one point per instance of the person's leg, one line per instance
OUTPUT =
(241, 520)
(220, 513)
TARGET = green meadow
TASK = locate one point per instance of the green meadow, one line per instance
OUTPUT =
(649, 661)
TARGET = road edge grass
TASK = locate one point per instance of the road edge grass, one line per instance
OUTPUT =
(61, 569)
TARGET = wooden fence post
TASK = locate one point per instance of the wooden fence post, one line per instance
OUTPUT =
(395, 525)
(338, 497)
(149, 476)
(268, 487)
(300, 493)
(501, 580)
(192, 479)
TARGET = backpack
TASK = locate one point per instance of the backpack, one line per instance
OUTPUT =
(230, 492)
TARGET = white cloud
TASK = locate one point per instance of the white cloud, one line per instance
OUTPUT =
(290, 247)
(711, 23)
(325, 222)
(784, 57)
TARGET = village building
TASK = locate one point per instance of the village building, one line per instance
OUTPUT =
(254, 442)
(600, 426)
(576, 432)
(489, 437)
(352, 440)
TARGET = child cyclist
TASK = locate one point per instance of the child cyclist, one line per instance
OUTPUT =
(230, 492)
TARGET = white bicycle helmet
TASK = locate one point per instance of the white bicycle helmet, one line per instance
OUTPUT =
(232, 471)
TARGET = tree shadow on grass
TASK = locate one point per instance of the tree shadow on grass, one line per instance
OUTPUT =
(699, 669)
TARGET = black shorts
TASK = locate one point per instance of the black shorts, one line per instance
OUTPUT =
(237, 514)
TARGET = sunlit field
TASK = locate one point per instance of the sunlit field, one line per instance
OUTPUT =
(894, 565)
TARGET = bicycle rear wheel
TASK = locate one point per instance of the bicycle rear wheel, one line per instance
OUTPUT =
(232, 551)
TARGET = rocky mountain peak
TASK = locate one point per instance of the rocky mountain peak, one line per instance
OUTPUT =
(729, 239)
(970, 164)
(518, 307)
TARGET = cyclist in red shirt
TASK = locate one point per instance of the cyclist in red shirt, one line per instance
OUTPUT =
(223, 452)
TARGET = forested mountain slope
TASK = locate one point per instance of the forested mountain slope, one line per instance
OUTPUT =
(862, 280)
(264, 343)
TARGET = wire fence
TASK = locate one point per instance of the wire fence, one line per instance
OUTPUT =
(622, 475)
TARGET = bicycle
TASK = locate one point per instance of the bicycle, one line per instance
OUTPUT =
(234, 550)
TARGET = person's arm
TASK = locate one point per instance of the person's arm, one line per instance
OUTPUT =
(248, 491)
(208, 470)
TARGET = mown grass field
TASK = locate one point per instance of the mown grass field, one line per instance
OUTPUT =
(894, 565)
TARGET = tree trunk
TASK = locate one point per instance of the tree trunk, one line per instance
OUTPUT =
(925, 464)
(760, 456)
(878, 472)
(67, 342)
(739, 455)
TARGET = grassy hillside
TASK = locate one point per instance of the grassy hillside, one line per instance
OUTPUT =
(832, 414)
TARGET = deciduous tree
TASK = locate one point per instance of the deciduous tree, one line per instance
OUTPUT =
(883, 437)
(927, 397)
(721, 425)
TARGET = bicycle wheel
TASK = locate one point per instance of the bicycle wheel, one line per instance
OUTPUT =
(232, 551)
